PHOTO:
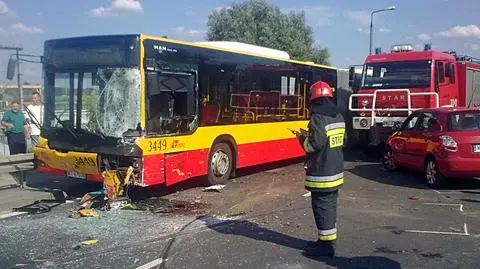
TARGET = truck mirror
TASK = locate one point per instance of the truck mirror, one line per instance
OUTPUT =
(12, 63)
(451, 72)
(351, 73)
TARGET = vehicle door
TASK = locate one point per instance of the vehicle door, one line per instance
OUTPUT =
(419, 140)
(400, 139)
(445, 83)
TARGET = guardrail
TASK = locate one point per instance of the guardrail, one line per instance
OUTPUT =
(16, 163)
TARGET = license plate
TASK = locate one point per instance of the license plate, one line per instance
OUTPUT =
(388, 123)
(76, 175)
(476, 148)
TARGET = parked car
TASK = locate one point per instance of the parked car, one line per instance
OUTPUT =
(443, 143)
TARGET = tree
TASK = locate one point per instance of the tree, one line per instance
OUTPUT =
(259, 23)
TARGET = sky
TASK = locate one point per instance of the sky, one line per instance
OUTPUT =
(342, 26)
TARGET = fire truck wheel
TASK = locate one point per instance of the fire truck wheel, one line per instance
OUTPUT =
(387, 159)
(433, 177)
(220, 164)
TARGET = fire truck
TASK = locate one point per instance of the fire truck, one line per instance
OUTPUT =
(392, 85)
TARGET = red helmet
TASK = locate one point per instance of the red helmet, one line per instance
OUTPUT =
(320, 89)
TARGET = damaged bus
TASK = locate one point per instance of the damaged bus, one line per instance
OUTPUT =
(160, 111)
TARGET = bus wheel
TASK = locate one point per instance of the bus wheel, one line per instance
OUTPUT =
(220, 164)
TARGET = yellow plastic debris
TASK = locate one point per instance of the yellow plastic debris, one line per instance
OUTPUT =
(90, 242)
(112, 184)
(88, 212)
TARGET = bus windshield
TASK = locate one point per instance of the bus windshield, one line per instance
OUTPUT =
(105, 101)
(393, 75)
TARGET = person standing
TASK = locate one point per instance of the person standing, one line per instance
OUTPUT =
(323, 144)
(16, 129)
(36, 108)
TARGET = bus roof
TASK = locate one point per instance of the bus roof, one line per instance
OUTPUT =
(245, 49)
(234, 50)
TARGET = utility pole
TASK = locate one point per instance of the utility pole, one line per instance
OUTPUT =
(20, 87)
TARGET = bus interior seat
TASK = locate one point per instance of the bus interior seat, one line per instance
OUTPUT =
(210, 114)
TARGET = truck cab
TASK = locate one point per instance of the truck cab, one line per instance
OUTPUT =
(395, 84)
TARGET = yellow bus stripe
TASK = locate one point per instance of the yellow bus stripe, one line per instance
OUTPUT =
(204, 137)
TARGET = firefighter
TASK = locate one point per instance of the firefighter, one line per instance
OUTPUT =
(323, 145)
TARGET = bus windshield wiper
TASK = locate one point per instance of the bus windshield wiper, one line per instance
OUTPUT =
(33, 118)
(65, 126)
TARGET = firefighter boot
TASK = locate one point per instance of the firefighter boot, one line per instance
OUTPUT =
(320, 249)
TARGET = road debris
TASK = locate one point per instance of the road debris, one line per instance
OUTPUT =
(90, 242)
(171, 207)
(308, 194)
(415, 198)
(118, 203)
(216, 188)
(88, 212)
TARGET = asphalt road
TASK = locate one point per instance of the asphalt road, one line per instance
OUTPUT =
(262, 219)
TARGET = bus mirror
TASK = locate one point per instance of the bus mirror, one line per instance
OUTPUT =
(152, 83)
(12, 63)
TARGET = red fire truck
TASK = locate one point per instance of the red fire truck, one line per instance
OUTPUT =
(395, 84)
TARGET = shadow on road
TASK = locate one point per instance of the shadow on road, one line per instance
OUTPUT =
(409, 178)
(376, 172)
(58, 186)
(254, 231)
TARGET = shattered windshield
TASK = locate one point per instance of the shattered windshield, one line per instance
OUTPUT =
(106, 101)
(402, 74)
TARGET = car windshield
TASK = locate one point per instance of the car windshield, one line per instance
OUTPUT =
(397, 74)
(464, 121)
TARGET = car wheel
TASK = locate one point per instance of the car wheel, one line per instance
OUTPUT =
(220, 164)
(387, 159)
(433, 177)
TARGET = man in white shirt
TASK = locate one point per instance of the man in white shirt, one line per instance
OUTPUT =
(37, 111)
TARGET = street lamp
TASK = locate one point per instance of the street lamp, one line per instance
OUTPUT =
(371, 22)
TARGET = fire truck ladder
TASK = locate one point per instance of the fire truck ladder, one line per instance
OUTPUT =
(374, 109)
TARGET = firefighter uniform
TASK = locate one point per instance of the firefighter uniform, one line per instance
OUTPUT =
(324, 165)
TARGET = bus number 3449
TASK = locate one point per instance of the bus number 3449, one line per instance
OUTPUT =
(157, 145)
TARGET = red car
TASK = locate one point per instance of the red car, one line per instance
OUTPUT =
(442, 142)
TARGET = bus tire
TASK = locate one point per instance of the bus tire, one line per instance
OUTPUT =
(220, 164)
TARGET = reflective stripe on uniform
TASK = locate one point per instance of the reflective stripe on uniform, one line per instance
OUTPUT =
(327, 232)
(307, 147)
(325, 178)
(336, 125)
(330, 237)
(327, 235)
(324, 185)
(336, 131)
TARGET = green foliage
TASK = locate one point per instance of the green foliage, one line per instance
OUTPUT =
(259, 23)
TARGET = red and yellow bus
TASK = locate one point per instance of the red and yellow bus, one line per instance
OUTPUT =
(169, 109)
